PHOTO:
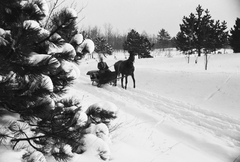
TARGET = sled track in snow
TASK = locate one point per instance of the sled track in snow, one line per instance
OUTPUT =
(219, 125)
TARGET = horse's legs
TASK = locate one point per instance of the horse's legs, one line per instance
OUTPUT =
(133, 80)
(122, 80)
(126, 81)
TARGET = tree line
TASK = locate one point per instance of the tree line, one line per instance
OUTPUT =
(116, 39)
(199, 33)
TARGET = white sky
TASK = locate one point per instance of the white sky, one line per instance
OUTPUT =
(151, 15)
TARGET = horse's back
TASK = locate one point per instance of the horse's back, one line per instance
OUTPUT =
(125, 67)
(117, 66)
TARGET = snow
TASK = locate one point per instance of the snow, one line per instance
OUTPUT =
(77, 39)
(178, 111)
(87, 44)
(31, 24)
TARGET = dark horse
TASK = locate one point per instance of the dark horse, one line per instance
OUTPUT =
(126, 68)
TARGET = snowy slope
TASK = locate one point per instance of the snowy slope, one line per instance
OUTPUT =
(178, 111)
(162, 119)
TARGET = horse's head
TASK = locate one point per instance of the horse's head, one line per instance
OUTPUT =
(131, 56)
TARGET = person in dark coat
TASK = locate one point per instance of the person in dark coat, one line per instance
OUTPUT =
(102, 66)
(104, 72)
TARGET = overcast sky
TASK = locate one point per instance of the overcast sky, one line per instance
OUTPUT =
(152, 15)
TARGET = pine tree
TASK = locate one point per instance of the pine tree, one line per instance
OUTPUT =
(200, 32)
(138, 44)
(102, 47)
(186, 36)
(164, 39)
(218, 36)
(34, 77)
(235, 36)
(69, 30)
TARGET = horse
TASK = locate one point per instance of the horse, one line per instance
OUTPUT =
(126, 68)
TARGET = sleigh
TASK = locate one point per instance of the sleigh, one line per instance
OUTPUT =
(99, 78)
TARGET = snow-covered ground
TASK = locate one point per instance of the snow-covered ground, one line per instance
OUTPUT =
(178, 112)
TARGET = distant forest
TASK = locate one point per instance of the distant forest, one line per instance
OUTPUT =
(116, 39)
(199, 33)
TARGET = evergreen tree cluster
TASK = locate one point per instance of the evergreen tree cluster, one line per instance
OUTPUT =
(164, 39)
(138, 44)
(235, 36)
(102, 47)
(200, 32)
(37, 65)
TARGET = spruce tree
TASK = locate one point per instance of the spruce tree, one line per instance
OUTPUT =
(138, 44)
(34, 76)
(235, 36)
(218, 36)
(201, 33)
(164, 39)
(102, 47)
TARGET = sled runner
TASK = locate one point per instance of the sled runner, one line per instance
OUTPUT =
(99, 78)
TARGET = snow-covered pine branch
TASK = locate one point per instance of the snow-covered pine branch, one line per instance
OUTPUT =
(37, 65)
